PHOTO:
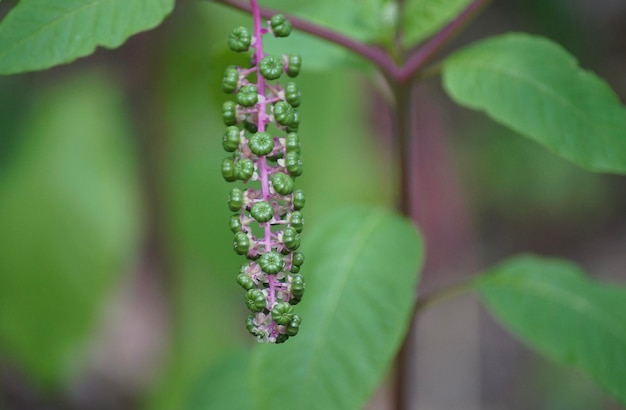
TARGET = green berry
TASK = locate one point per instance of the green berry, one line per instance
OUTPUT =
(244, 169)
(262, 211)
(294, 62)
(251, 326)
(294, 269)
(239, 39)
(281, 27)
(261, 143)
(270, 67)
(230, 82)
(282, 313)
(250, 126)
(241, 244)
(228, 170)
(235, 200)
(297, 259)
(298, 199)
(293, 163)
(231, 139)
(295, 122)
(245, 281)
(297, 285)
(283, 113)
(294, 325)
(255, 300)
(292, 142)
(229, 113)
(291, 239)
(235, 223)
(271, 262)
(282, 183)
(247, 96)
(296, 221)
(292, 94)
(281, 338)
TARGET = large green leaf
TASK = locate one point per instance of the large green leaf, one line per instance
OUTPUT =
(533, 86)
(422, 18)
(70, 225)
(557, 310)
(38, 34)
(362, 269)
(224, 385)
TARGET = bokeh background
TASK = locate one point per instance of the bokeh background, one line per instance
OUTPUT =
(117, 276)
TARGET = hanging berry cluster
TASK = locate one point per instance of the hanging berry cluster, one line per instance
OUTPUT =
(262, 136)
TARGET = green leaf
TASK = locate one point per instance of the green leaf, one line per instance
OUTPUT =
(361, 270)
(224, 385)
(39, 34)
(536, 88)
(553, 307)
(423, 18)
(70, 225)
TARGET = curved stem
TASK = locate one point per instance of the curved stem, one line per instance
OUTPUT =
(374, 54)
(442, 295)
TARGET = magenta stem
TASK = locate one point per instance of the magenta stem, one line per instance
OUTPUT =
(262, 113)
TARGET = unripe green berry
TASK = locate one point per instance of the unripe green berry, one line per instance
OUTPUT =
(255, 300)
(297, 259)
(261, 143)
(294, 269)
(281, 338)
(298, 199)
(294, 325)
(292, 142)
(282, 313)
(271, 262)
(235, 200)
(247, 96)
(244, 169)
(235, 223)
(262, 211)
(294, 125)
(281, 27)
(250, 126)
(291, 239)
(297, 285)
(294, 62)
(228, 170)
(231, 139)
(296, 221)
(241, 244)
(230, 82)
(282, 183)
(283, 113)
(292, 94)
(229, 113)
(252, 328)
(239, 39)
(293, 163)
(271, 67)
(245, 281)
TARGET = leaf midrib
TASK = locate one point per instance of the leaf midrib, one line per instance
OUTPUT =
(346, 267)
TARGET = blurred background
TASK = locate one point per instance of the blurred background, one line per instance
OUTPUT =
(117, 285)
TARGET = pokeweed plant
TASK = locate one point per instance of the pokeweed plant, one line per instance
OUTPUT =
(366, 261)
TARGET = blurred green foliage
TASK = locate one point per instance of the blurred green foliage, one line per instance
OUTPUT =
(70, 223)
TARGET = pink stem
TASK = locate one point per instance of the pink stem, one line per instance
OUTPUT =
(259, 54)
